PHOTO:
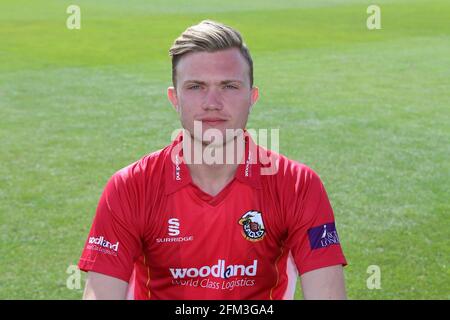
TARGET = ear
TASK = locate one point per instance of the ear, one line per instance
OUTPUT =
(172, 96)
(254, 96)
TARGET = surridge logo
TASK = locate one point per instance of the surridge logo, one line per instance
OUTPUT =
(173, 232)
(101, 241)
(253, 225)
(219, 270)
(174, 227)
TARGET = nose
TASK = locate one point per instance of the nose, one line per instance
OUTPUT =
(212, 100)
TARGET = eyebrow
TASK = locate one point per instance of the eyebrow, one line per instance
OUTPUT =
(204, 83)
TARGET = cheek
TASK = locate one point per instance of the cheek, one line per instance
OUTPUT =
(189, 95)
(186, 115)
(238, 104)
(190, 101)
(240, 97)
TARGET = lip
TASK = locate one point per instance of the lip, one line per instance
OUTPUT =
(212, 121)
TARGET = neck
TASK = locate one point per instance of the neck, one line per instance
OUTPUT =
(214, 177)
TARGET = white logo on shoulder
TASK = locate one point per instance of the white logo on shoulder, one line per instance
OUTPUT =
(102, 245)
(324, 231)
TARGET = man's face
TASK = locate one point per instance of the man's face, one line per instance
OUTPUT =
(213, 88)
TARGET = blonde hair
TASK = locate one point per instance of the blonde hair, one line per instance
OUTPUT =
(208, 36)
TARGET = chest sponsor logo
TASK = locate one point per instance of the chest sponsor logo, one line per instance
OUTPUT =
(219, 276)
(219, 270)
(252, 225)
(323, 236)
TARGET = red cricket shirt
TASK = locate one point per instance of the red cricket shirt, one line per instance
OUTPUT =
(170, 240)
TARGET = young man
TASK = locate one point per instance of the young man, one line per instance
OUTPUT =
(172, 227)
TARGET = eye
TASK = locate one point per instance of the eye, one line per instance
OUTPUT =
(230, 86)
(194, 87)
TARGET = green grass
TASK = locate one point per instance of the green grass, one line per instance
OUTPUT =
(368, 110)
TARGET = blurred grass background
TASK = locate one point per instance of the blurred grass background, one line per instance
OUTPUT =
(368, 110)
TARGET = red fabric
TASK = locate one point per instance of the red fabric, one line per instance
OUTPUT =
(215, 257)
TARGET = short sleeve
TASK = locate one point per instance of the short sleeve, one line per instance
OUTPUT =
(114, 241)
(312, 235)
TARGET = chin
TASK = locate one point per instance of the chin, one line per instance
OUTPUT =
(223, 138)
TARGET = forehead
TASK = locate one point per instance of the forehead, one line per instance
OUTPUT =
(211, 66)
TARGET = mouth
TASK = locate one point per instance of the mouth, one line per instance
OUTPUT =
(213, 121)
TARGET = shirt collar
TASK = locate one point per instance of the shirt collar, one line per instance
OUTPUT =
(177, 172)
